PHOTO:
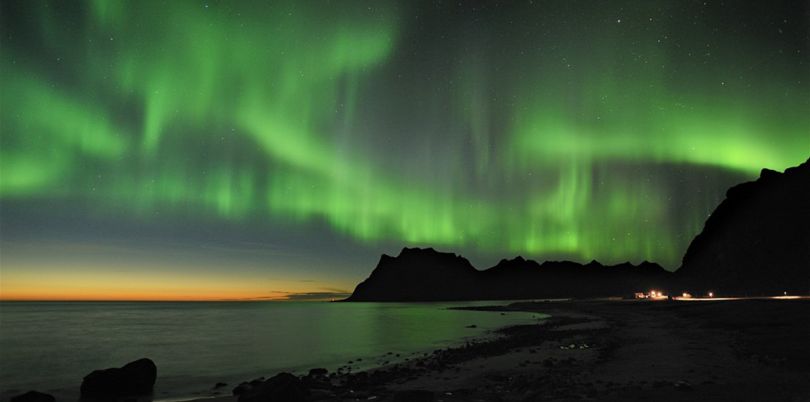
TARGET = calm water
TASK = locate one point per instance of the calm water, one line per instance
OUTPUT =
(51, 346)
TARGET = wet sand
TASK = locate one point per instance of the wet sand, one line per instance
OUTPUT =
(741, 350)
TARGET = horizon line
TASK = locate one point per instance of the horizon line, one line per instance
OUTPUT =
(163, 300)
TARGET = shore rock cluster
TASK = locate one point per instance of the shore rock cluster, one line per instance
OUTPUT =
(281, 387)
(136, 378)
(320, 385)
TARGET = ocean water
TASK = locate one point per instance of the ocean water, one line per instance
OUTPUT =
(51, 346)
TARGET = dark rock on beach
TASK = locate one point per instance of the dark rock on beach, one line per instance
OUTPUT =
(241, 388)
(283, 387)
(317, 379)
(135, 378)
(33, 396)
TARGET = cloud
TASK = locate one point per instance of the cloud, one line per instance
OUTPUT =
(317, 296)
(326, 294)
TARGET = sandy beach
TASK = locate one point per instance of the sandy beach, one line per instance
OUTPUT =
(752, 350)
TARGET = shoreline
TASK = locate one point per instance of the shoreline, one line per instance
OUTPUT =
(607, 351)
(198, 346)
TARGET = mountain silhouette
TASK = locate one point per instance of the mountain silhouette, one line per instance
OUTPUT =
(757, 241)
(428, 275)
(419, 275)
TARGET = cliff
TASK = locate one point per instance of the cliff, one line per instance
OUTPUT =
(757, 241)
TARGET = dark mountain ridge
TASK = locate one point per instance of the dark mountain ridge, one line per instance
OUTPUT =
(418, 274)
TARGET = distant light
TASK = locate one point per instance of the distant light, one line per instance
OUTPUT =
(711, 294)
(784, 293)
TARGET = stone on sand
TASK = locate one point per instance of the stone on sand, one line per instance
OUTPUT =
(134, 378)
(283, 387)
(33, 396)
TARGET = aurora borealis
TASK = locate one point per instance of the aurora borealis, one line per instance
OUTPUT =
(284, 145)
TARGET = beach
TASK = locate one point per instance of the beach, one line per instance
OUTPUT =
(752, 350)
(563, 350)
(51, 346)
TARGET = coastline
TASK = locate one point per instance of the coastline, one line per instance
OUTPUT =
(608, 351)
(50, 347)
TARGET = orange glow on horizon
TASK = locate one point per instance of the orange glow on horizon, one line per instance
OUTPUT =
(133, 285)
(136, 296)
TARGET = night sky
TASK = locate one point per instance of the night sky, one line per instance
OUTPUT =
(193, 149)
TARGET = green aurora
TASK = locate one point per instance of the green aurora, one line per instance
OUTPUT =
(551, 129)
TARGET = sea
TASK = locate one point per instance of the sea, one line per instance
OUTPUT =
(51, 346)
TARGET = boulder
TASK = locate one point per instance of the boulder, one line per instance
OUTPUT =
(134, 378)
(33, 396)
(318, 378)
(283, 387)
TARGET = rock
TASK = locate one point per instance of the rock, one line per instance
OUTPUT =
(241, 388)
(413, 396)
(134, 378)
(256, 382)
(683, 385)
(318, 378)
(472, 326)
(283, 387)
(220, 385)
(33, 396)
